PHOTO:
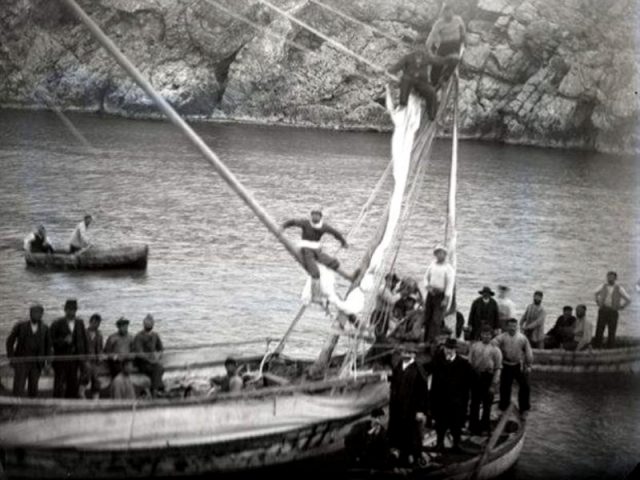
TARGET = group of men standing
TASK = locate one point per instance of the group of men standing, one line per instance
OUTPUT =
(75, 352)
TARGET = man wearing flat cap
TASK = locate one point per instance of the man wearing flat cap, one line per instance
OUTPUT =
(438, 280)
(29, 338)
(119, 346)
(484, 311)
(69, 338)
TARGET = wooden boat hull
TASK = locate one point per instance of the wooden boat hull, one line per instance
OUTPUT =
(498, 461)
(47, 438)
(94, 258)
(624, 359)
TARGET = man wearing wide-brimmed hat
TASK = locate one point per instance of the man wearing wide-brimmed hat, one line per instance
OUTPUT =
(484, 311)
(438, 280)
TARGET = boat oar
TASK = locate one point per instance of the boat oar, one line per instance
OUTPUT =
(495, 435)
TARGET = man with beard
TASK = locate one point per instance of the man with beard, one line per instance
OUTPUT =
(532, 321)
(148, 344)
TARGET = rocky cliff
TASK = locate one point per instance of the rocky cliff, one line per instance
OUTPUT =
(543, 72)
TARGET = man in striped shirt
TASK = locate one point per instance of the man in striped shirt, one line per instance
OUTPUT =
(438, 281)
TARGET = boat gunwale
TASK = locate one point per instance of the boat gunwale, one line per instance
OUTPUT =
(90, 405)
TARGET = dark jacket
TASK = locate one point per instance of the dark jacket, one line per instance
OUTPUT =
(311, 233)
(564, 329)
(95, 345)
(60, 329)
(415, 64)
(22, 342)
(409, 395)
(483, 313)
(450, 385)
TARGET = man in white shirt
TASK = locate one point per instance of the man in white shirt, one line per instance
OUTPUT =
(610, 298)
(506, 307)
(438, 281)
(79, 238)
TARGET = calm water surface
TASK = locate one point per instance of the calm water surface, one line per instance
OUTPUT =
(528, 218)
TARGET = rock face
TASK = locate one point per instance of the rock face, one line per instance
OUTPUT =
(559, 73)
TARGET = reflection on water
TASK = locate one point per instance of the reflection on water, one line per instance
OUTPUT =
(528, 218)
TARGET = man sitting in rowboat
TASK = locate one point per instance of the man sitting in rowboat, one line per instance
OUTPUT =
(312, 231)
(37, 242)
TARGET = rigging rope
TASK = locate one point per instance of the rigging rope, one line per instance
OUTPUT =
(346, 16)
(334, 43)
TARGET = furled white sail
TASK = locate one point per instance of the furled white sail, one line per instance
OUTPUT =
(406, 122)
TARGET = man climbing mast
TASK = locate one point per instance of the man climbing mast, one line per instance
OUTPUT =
(312, 231)
(415, 76)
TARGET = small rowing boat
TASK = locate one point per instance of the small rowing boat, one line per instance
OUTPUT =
(93, 258)
(625, 357)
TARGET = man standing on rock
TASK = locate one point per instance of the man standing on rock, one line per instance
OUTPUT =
(448, 34)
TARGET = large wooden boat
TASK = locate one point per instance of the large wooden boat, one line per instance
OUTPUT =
(93, 258)
(272, 423)
(625, 357)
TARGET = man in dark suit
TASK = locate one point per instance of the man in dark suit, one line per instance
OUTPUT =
(484, 311)
(408, 407)
(28, 339)
(69, 337)
(450, 387)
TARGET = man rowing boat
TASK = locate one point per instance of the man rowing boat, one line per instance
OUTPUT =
(79, 239)
(312, 231)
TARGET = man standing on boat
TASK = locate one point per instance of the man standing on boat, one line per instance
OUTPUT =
(37, 242)
(148, 344)
(448, 35)
(79, 239)
(408, 408)
(484, 311)
(450, 386)
(28, 339)
(312, 231)
(506, 307)
(486, 361)
(438, 281)
(517, 358)
(532, 321)
(69, 338)
(610, 298)
(119, 346)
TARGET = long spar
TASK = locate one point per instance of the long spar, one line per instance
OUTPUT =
(168, 110)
